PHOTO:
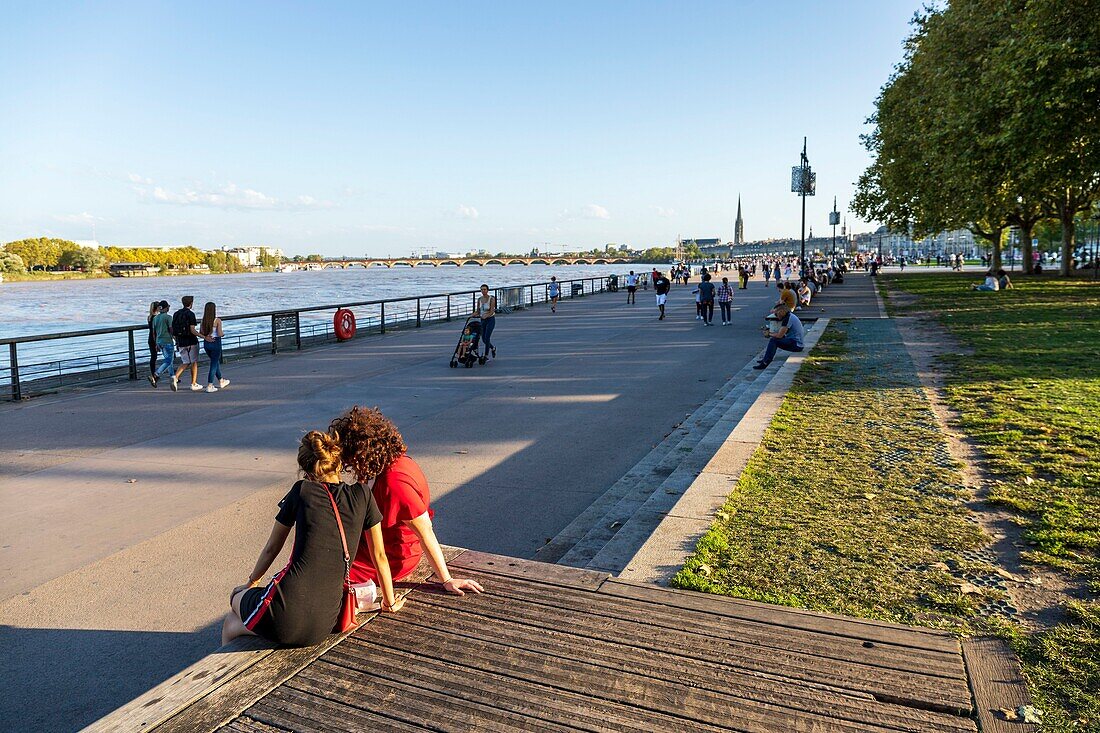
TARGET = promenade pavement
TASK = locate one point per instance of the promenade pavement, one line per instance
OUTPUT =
(131, 512)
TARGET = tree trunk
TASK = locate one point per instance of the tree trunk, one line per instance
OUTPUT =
(1025, 232)
(995, 257)
(1069, 238)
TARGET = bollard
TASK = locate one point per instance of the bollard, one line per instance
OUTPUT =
(133, 357)
(13, 357)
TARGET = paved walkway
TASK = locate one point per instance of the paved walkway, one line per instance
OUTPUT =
(131, 511)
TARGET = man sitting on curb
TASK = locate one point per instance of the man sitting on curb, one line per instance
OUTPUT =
(788, 337)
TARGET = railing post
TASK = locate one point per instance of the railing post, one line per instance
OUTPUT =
(13, 358)
(274, 336)
(298, 330)
(448, 306)
(418, 312)
(382, 320)
(133, 357)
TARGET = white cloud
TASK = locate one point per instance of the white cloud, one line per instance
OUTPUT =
(82, 218)
(664, 213)
(230, 196)
(466, 212)
(595, 211)
(135, 178)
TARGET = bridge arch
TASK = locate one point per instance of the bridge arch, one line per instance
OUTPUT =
(560, 262)
(403, 263)
(581, 261)
(517, 262)
(538, 261)
(422, 263)
(449, 262)
(494, 261)
(375, 263)
(471, 262)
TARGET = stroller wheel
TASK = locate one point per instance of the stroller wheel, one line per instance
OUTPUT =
(481, 360)
(469, 363)
(453, 363)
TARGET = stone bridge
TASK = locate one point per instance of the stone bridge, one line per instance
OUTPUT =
(460, 261)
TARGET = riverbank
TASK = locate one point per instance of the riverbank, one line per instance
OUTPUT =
(23, 277)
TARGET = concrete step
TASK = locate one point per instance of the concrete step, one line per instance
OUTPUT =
(659, 463)
(628, 538)
(671, 468)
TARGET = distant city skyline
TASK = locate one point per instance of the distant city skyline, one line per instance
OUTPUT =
(383, 130)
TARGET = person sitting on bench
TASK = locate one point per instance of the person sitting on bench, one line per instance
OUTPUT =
(789, 336)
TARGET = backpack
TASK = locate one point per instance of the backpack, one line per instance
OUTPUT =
(180, 327)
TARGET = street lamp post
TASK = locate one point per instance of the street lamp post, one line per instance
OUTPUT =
(803, 181)
(834, 219)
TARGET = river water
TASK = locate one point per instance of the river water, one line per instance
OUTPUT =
(34, 308)
(68, 305)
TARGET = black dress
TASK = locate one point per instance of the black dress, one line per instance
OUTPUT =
(300, 605)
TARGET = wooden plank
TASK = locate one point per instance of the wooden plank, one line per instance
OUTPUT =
(762, 634)
(543, 572)
(997, 683)
(794, 618)
(431, 709)
(578, 710)
(642, 691)
(214, 687)
(929, 692)
(294, 710)
(612, 656)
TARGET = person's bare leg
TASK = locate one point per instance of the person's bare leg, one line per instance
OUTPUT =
(194, 372)
(232, 626)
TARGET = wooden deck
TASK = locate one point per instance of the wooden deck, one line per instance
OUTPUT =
(559, 649)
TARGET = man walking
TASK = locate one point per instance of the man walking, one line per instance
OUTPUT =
(631, 287)
(162, 330)
(187, 340)
(661, 285)
(788, 337)
(706, 299)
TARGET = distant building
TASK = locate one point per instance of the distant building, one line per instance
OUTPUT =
(252, 256)
(738, 227)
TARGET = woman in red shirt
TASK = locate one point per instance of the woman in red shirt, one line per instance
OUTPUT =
(372, 447)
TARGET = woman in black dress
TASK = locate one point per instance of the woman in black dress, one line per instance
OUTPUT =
(300, 604)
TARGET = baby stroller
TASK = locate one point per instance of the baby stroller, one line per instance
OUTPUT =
(474, 324)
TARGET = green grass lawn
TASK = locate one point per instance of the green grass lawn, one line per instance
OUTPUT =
(850, 506)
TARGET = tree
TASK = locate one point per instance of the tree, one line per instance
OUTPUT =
(314, 258)
(39, 253)
(11, 262)
(84, 259)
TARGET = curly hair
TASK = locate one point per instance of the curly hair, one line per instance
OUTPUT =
(369, 442)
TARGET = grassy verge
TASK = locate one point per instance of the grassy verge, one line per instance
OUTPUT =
(1028, 392)
(13, 277)
(851, 505)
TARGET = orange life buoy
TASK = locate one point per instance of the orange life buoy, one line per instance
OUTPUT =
(343, 323)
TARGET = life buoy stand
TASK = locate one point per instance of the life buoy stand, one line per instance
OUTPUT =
(343, 323)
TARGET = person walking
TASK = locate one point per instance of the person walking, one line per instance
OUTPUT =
(767, 275)
(487, 312)
(724, 295)
(631, 287)
(553, 292)
(184, 328)
(706, 299)
(154, 351)
(211, 331)
(162, 330)
(662, 286)
(743, 273)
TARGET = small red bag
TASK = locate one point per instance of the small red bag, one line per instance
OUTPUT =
(345, 620)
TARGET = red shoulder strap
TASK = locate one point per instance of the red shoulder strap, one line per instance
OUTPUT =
(343, 538)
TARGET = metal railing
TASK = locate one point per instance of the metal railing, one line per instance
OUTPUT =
(50, 362)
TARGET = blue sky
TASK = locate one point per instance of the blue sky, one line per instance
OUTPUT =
(384, 128)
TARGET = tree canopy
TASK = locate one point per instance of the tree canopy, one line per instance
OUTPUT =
(992, 119)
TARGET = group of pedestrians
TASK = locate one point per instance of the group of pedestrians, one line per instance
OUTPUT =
(352, 541)
(180, 333)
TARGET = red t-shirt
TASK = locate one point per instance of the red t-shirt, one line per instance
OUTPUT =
(401, 492)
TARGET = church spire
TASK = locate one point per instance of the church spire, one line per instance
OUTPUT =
(738, 226)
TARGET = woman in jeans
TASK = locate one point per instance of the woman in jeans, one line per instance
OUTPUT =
(154, 309)
(725, 297)
(211, 331)
(487, 311)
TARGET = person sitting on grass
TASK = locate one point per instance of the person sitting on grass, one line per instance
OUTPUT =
(299, 606)
(789, 336)
(1003, 283)
(991, 285)
(374, 449)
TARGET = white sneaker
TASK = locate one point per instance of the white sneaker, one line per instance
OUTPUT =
(223, 383)
(211, 388)
(196, 387)
(175, 383)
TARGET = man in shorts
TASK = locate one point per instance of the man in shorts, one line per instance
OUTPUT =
(187, 343)
(662, 286)
(553, 292)
(631, 287)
